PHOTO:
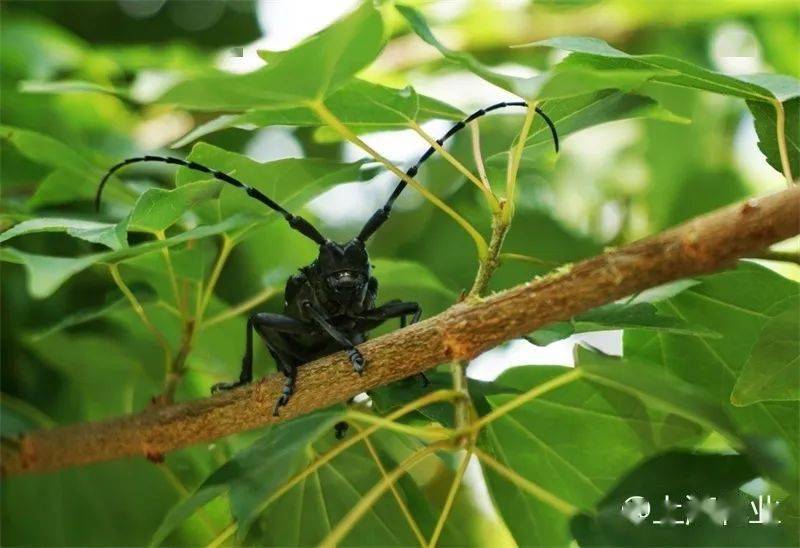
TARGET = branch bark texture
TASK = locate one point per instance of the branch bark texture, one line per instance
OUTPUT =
(706, 244)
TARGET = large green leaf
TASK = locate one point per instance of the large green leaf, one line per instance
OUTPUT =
(75, 172)
(402, 279)
(598, 55)
(306, 513)
(699, 485)
(764, 92)
(114, 304)
(47, 273)
(573, 114)
(657, 390)
(736, 304)
(772, 372)
(290, 181)
(108, 234)
(565, 80)
(362, 105)
(251, 477)
(573, 442)
(157, 209)
(307, 72)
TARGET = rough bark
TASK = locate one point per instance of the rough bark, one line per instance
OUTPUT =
(706, 244)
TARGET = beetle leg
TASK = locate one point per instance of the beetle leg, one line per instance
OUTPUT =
(352, 352)
(288, 390)
(393, 309)
(270, 327)
(371, 319)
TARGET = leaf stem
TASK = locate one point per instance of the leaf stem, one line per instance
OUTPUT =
(224, 252)
(263, 295)
(484, 188)
(328, 117)
(522, 399)
(171, 271)
(451, 496)
(113, 268)
(412, 524)
(434, 433)
(224, 535)
(780, 123)
(371, 497)
(475, 134)
(526, 485)
(513, 167)
(433, 397)
(526, 258)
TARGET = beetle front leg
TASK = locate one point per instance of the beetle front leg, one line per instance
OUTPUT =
(356, 359)
(288, 389)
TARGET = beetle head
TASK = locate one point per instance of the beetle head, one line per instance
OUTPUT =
(345, 269)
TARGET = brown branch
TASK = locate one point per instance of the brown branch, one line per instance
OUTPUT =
(706, 244)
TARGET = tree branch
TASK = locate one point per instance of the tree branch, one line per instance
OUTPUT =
(706, 244)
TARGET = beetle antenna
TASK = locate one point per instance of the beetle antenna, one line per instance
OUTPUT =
(380, 216)
(295, 221)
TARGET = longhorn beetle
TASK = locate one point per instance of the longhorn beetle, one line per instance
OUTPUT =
(330, 304)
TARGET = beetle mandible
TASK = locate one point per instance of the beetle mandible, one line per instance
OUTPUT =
(329, 305)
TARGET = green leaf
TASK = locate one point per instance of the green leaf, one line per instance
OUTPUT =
(47, 273)
(362, 105)
(157, 209)
(45, 150)
(291, 181)
(145, 295)
(400, 279)
(640, 315)
(75, 174)
(659, 391)
(107, 234)
(679, 475)
(763, 92)
(71, 86)
(307, 72)
(596, 54)
(772, 372)
(573, 442)
(564, 80)
(573, 114)
(736, 304)
(250, 476)
(786, 90)
(765, 120)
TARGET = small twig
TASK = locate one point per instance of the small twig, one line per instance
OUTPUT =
(475, 133)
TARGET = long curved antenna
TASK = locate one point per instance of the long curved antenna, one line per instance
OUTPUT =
(380, 216)
(295, 221)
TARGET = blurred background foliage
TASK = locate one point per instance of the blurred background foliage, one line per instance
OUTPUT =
(85, 76)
